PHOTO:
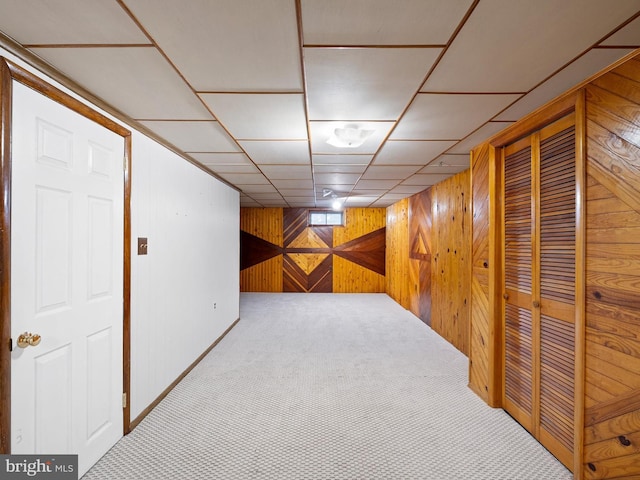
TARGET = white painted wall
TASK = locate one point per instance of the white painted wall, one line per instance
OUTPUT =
(192, 222)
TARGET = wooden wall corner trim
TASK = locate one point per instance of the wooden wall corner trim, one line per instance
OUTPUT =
(5, 258)
(580, 301)
(173, 384)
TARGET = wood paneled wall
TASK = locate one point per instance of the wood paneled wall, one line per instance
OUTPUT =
(261, 249)
(451, 260)
(420, 248)
(397, 261)
(362, 233)
(429, 255)
(607, 362)
(280, 252)
(612, 389)
(481, 341)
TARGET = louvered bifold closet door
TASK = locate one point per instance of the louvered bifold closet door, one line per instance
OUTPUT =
(557, 287)
(519, 367)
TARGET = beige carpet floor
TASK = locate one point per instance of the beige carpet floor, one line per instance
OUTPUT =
(328, 386)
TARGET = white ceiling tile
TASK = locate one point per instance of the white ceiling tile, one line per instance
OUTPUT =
(283, 172)
(274, 203)
(325, 203)
(321, 131)
(296, 192)
(448, 117)
(394, 196)
(300, 203)
(68, 22)
(223, 169)
(339, 189)
(336, 168)
(452, 159)
(252, 189)
(248, 203)
(193, 136)
(114, 74)
(380, 22)
(363, 83)
(447, 164)
(366, 184)
(247, 46)
(483, 133)
(246, 178)
(396, 172)
(293, 183)
(407, 190)
(368, 192)
(359, 201)
(411, 152)
(320, 159)
(277, 152)
(627, 36)
(260, 116)
(452, 170)
(236, 158)
(426, 179)
(336, 178)
(484, 57)
(587, 65)
(266, 196)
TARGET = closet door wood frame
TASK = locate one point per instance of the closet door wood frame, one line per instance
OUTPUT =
(572, 102)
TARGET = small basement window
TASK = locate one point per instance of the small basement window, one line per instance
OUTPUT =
(325, 217)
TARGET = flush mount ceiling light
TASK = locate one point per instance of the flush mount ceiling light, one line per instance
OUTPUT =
(349, 136)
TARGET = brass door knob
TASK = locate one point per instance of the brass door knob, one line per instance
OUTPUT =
(28, 339)
(536, 304)
(505, 296)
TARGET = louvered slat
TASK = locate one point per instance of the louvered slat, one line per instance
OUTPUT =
(518, 381)
(557, 216)
(518, 220)
(556, 379)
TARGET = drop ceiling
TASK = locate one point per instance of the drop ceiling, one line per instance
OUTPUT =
(252, 89)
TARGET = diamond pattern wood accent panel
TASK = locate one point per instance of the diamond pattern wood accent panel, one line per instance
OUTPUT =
(367, 251)
(318, 280)
(308, 262)
(420, 232)
(308, 238)
(308, 252)
(254, 250)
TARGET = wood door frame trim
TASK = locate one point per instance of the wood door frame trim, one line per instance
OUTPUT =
(10, 72)
(572, 103)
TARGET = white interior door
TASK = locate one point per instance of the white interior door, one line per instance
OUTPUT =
(66, 280)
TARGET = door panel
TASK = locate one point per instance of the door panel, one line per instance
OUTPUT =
(66, 279)
(519, 348)
(539, 284)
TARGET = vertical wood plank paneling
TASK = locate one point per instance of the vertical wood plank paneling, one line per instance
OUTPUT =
(265, 224)
(451, 260)
(612, 275)
(263, 277)
(359, 222)
(397, 258)
(480, 332)
(349, 277)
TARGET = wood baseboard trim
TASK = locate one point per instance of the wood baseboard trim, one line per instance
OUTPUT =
(166, 391)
